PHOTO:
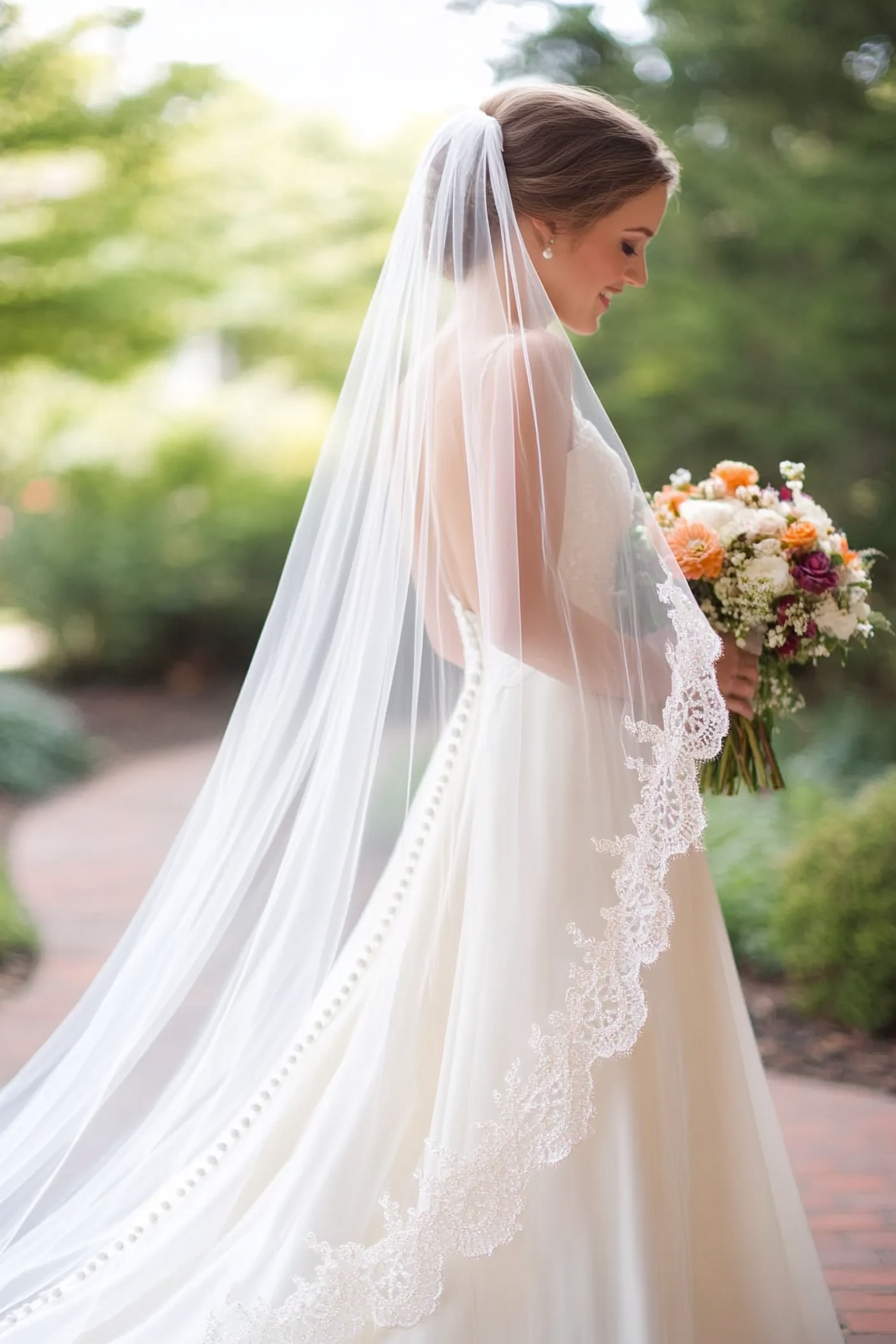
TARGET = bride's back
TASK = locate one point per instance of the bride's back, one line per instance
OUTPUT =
(492, 478)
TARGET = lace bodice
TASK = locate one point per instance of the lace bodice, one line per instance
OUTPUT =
(598, 512)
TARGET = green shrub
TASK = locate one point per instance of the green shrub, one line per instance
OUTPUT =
(18, 936)
(746, 839)
(42, 743)
(846, 737)
(834, 924)
(134, 573)
(746, 881)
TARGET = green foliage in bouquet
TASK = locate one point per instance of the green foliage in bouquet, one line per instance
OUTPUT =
(42, 742)
(134, 573)
(835, 921)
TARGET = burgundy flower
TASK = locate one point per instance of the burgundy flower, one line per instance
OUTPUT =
(814, 572)
(790, 647)
(783, 609)
(785, 493)
(811, 630)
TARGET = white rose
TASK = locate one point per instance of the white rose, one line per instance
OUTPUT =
(751, 523)
(736, 526)
(712, 513)
(765, 522)
(804, 507)
(859, 606)
(772, 570)
(833, 620)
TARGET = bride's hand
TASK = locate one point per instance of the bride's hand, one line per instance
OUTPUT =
(738, 674)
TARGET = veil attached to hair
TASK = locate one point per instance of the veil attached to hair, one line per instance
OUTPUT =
(371, 902)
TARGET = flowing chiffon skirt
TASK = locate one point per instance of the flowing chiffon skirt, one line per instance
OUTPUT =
(676, 1220)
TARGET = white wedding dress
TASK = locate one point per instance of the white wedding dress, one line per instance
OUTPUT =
(627, 1185)
(676, 1220)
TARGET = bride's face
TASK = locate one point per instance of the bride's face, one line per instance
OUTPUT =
(589, 268)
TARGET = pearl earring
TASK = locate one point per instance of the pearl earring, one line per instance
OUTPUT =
(548, 252)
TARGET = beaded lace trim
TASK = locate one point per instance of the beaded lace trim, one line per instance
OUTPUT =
(471, 1205)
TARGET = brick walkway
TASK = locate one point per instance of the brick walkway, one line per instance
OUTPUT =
(83, 859)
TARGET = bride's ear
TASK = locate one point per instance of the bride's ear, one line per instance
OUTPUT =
(537, 232)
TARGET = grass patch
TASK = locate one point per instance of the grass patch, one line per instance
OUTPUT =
(18, 936)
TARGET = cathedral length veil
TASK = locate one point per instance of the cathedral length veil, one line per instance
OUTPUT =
(143, 1157)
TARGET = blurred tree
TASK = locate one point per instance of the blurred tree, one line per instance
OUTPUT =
(92, 269)
(306, 215)
(770, 331)
(129, 220)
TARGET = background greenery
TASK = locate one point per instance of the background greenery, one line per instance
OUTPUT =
(42, 745)
(144, 513)
(135, 574)
(834, 922)
(18, 936)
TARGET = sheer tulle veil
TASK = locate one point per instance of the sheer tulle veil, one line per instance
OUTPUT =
(422, 583)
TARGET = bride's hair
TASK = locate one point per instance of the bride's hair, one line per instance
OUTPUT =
(571, 156)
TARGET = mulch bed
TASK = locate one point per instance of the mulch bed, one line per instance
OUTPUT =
(127, 722)
(791, 1043)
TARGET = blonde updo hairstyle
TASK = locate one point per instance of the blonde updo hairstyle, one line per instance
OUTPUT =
(571, 157)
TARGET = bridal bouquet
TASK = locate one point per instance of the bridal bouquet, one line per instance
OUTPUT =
(769, 567)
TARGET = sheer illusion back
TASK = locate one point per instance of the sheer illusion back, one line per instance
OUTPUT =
(518, 382)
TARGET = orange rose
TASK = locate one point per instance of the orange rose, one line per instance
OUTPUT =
(672, 497)
(846, 552)
(799, 536)
(697, 549)
(733, 474)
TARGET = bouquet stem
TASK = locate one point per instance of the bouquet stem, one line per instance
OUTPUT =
(746, 758)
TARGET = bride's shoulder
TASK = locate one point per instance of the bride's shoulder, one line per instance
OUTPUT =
(538, 362)
(534, 343)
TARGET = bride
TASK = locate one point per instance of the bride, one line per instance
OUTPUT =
(404, 1043)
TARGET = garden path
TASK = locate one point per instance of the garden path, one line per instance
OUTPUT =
(82, 859)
